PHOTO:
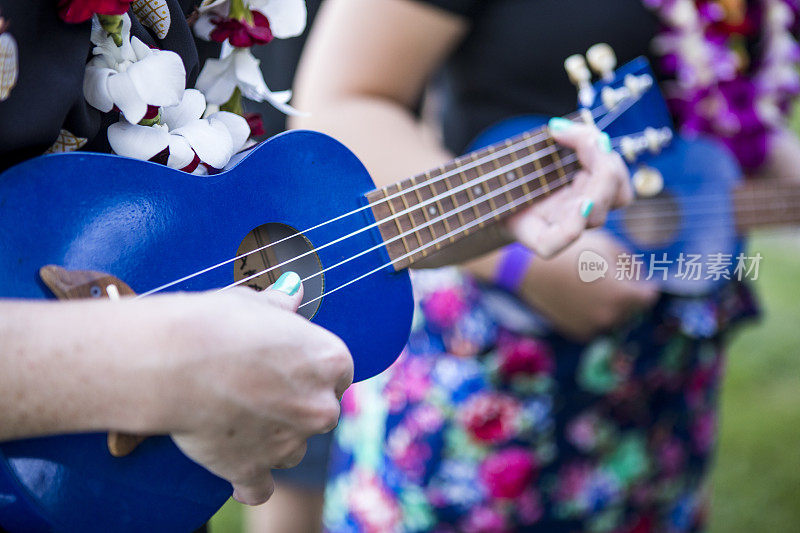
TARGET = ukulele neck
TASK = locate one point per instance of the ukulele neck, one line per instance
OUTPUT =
(766, 203)
(425, 213)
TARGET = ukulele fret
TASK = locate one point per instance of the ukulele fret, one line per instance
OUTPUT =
(502, 178)
(453, 220)
(426, 210)
(488, 190)
(413, 225)
(457, 204)
(396, 219)
(442, 213)
(520, 173)
(470, 194)
(549, 144)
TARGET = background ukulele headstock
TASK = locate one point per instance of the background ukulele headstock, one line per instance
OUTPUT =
(628, 105)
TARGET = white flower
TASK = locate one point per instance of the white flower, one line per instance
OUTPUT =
(238, 67)
(9, 63)
(214, 139)
(287, 18)
(131, 76)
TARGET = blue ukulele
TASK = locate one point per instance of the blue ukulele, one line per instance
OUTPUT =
(91, 225)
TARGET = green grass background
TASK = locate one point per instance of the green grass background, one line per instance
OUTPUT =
(756, 480)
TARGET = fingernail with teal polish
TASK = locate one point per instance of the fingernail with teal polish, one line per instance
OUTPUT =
(605, 142)
(558, 124)
(586, 208)
(288, 283)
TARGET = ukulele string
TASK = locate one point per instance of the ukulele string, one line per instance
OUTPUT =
(700, 205)
(516, 184)
(709, 198)
(701, 239)
(476, 181)
(516, 164)
(523, 143)
(474, 223)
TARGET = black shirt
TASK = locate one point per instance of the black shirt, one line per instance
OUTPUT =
(52, 59)
(512, 60)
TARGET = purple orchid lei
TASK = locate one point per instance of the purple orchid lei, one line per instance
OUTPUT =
(735, 74)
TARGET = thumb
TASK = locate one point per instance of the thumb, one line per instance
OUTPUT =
(286, 292)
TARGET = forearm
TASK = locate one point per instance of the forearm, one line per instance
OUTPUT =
(68, 367)
(384, 135)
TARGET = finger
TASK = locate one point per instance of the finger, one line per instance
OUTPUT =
(613, 169)
(256, 490)
(286, 292)
(596, 155)
(294, 457)
(596, 198)
(345, 379)
(565, 228)
(548, 238)
(336, 363)
(589, 143)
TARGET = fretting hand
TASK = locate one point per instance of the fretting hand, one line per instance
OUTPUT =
(603, 184)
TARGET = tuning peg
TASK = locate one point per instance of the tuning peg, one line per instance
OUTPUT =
(638, 85)
(580, 76)
(647, 182)
(657, 139)
(612, 97)
(603, 60)
(653, 140)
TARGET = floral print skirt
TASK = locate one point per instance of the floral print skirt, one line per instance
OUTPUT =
(490, 422)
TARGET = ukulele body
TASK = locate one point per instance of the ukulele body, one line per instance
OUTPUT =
(700, 175)
(148, 225)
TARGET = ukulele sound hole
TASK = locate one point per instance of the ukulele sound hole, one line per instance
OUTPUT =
(653, 222)
(281, 248)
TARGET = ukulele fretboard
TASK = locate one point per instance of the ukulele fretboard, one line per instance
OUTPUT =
(425, 213)
(765, 203)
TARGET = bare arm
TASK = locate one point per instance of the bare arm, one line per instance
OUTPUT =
(237, 379)
(364, 69)
(68, 367)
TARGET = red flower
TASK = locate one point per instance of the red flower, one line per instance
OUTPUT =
(75, 11)
(444, 307)
(242, 34)
(256, 124)
(524, 356)
(491, 418)
(508, 473)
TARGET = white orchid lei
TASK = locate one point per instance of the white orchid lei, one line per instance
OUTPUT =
(195, 130)
(9, 61)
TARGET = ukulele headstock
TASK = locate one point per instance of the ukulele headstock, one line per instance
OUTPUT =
(624, 101)
(628, 105)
